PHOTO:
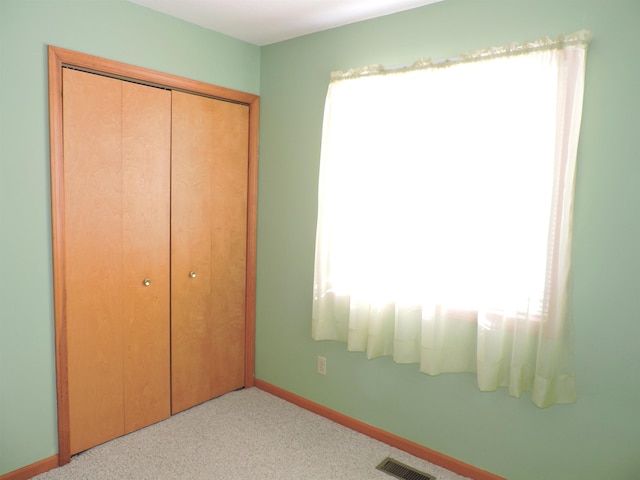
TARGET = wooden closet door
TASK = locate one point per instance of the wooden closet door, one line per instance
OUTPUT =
(116, 221)
(146, 160)
(208, 247)
(93, 270)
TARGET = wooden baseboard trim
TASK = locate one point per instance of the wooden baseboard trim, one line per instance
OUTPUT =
(390, 439)
(25, 473)
(437, 458)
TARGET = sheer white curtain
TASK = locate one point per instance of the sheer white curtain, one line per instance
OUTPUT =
(444, 215)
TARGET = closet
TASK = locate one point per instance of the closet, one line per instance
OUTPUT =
(153, 205)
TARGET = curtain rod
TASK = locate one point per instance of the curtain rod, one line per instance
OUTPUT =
(579, 38)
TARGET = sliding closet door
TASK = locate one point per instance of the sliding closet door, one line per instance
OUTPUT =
(208, 247)
(116, 229)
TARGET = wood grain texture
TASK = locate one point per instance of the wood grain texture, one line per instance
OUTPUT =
(252, 227)
(60, 58)
(117, 166)
(56, 148)
(93, 270)
(152, 77)
(229, 245)
(146, 150)
(209, 231)
(191, 308)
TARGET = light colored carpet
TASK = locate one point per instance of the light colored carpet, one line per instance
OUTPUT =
(248, 434)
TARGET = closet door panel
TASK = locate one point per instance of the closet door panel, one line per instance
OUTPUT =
(191, 310)
(153, 195)
(209, 195)
(117, 221)
(229, 245)
(93, 261)
(146, 145)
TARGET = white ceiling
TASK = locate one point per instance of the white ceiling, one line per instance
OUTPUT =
(262, 22)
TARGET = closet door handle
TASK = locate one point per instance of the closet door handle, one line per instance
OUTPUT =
(192, 274)
(146, 282)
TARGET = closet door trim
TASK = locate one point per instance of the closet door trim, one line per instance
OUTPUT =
(60, 58)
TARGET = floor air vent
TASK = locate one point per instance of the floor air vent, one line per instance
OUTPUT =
(400, 470)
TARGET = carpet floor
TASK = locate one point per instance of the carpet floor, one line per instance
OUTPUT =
(243, 435)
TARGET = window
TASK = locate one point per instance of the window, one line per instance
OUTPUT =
(444, 215)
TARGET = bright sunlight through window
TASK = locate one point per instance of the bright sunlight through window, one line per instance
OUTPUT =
(448, 187)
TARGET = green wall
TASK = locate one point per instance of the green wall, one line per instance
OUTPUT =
(599, 436)
(113, 29)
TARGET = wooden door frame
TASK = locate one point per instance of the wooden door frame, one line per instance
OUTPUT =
(60, 58)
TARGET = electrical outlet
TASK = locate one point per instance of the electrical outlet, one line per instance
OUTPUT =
(321, 365)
